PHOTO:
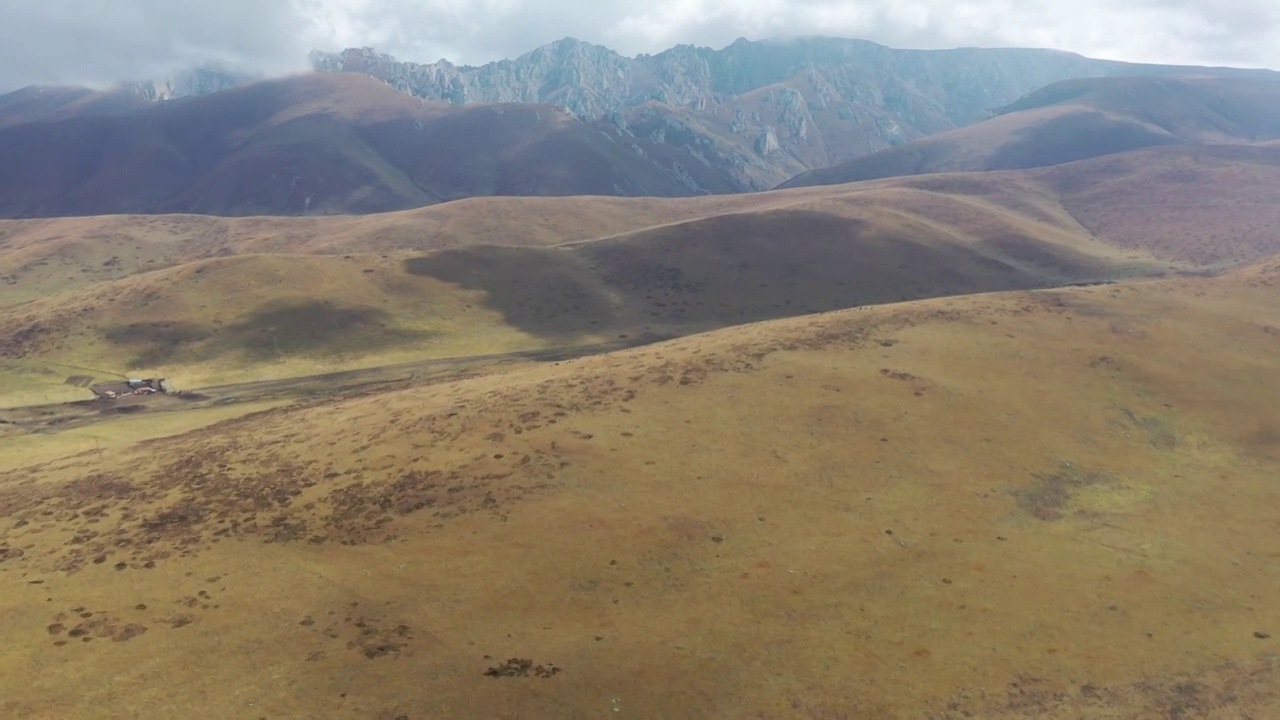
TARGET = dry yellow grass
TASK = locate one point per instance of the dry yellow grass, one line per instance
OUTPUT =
(1057, 504)
(20, 449)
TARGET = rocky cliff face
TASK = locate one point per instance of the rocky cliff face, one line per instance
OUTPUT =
(761, 112)
(199, 81)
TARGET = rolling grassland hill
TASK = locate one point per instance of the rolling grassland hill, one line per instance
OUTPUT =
(1127, 197)
(1052, 504)
(210, 300)
(1081, 119)
(256, 316)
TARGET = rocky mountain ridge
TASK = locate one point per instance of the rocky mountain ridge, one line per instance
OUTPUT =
(766, 110)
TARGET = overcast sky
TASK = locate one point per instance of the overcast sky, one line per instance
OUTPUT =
(101, 41)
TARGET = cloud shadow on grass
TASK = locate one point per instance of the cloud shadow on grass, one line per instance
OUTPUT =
(315, 328)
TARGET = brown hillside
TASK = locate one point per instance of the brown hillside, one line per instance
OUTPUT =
(1208, 205)
(1053, 505)
(1081, 119)
(321, 143)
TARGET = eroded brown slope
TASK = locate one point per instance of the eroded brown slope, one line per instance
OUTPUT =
(1051, 505)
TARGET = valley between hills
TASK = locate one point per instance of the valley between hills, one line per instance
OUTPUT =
(963, 438)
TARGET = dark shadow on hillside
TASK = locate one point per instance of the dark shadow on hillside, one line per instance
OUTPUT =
(745, 268)
(314, 328)
(734, 269)
(155, 343)
(311, 328)
(544, 292)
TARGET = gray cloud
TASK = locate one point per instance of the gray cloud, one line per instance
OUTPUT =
(98, 41)
(1245, 32)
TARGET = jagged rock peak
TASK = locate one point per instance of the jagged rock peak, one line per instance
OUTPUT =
(186, 83)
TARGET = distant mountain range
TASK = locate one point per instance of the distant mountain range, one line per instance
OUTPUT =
(767, 110)
(318, 143)
(576, 118)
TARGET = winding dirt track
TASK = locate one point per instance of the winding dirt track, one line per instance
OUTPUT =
(64, 416)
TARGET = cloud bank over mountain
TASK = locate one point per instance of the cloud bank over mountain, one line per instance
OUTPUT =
(97, 42)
